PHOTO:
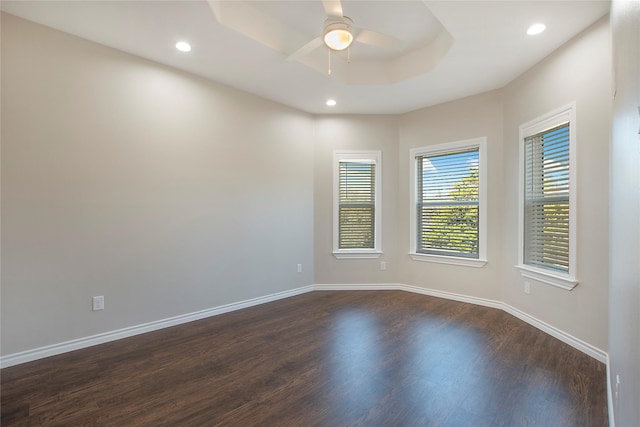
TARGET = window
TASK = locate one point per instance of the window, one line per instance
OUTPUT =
(357, 225)
(447, 207)
(547, 201)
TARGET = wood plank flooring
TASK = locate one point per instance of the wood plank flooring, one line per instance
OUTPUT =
(360, 358)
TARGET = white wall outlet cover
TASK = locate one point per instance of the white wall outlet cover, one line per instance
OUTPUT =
(98, 303)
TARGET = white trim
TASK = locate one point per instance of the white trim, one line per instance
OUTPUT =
(610, 401)
(359, 287)
(452, 260)
(345, 254)
(484, 302)
(546, 276)
(566, 113)
(375, 156)
(64, 347)
(537, 125)
(566, 338)
(481, 144)
(52, 350)
(569, 339)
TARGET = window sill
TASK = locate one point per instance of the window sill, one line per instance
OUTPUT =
(560, 281)
(442, 259)
(357, 255)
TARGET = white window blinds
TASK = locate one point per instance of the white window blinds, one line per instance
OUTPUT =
(447, 203)
(546, 199)
(356, 214)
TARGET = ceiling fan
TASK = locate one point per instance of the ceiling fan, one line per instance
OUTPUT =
(339, 33)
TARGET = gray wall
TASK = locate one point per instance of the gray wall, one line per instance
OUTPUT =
(624, 308)
(578, 71)
(354, 133)
(476, 116)
(161, 191)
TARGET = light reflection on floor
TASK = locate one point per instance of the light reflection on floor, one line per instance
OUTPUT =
(442, 364)
(355, 356)
(441, 361)
(357, 359)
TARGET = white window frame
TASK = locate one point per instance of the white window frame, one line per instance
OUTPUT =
(547, 121)
(364, 253)
(481, 144)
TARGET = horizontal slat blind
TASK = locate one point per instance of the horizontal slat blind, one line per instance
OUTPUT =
(447, 204)
(356, 204)
(546, 239)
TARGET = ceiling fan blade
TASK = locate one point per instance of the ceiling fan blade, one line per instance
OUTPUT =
(306, 49)
(374, 38)
(252, 22)
(333, 8)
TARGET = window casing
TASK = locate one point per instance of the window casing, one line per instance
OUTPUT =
(547, 220)
(356, 204)
(448, 209)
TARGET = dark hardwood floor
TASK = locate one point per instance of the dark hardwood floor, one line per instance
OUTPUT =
(379, 358)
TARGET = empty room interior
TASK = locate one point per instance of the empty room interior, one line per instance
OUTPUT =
(372, 213)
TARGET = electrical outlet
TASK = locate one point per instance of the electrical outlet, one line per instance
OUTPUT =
(383, 265)
(299, 268)
(98, 303)
(527, 288)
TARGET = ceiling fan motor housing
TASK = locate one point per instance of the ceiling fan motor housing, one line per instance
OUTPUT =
(337, 32)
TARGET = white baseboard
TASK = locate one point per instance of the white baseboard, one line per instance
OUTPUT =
(452, 296)
(52, 350)
(360, 287)
(610, 401)
(574, 342)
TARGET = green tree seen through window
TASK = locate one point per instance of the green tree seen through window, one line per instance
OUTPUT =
(449, 215)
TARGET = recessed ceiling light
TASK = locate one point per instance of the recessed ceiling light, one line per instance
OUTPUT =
(536, 29)
(331, 102)
(183, 46)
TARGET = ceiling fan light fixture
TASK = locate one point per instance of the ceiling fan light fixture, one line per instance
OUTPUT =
(337, 34)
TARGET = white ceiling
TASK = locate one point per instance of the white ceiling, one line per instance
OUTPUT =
(448, 50)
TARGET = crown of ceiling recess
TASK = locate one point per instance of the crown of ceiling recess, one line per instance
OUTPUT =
(390, 44)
